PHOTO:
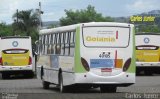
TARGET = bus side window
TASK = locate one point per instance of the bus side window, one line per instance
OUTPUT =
(69, 43)
(55, 43)
(43, 44)
(72, 44)
(66, 43)
(62, 44)
(51, 43)
(48, 44)
(58, 45)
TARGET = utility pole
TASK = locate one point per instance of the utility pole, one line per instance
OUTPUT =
(17, 15)
(40, 12)
(16, 23)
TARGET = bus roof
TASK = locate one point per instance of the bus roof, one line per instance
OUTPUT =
(13, 37)
(147, 33)
(73, 27)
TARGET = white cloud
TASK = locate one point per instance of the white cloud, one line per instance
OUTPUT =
(14, 5)
(54, 9)
(48, 16)
(143, 5)
(9, 7)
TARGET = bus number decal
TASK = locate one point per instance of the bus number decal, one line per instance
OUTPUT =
(104, 55)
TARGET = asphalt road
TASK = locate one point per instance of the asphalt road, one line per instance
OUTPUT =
(146, 87)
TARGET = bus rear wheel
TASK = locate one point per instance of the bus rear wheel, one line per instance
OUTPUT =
(107, 89)
(5, 75)
(148, 72)
(28, 74)
(45, 84)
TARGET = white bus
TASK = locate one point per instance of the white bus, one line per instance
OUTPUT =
(148, 53)
(16, 56)
(96, 54)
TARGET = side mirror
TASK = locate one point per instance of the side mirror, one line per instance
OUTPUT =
(36, 50)
(36, 47)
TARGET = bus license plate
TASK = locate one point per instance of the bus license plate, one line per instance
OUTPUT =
(106, 69)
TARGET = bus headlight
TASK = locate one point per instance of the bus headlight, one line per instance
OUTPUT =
(127, 64)
(85, 64)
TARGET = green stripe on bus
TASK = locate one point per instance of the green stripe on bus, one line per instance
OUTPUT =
(78, 65)
(132, 68)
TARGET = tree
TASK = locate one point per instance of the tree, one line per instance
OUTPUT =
(83, 15)
(148, 28)
(5, 30)
(26, 23)
(157, 21)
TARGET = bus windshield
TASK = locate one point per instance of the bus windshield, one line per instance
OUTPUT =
(106, 36)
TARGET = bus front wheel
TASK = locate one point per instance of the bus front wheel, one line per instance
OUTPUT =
(61, 86)
(108, 89)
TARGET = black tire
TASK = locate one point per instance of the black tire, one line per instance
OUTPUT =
(31, 75)
(107, 89)
(138, 72)
(45, 84)
(5, 76)
(61, 86)
(42, 72)
(148, 73)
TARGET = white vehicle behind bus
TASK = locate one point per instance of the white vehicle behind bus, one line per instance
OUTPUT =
(96, 54)
(16, 56)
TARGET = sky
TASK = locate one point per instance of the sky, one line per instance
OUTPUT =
(54, 9)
